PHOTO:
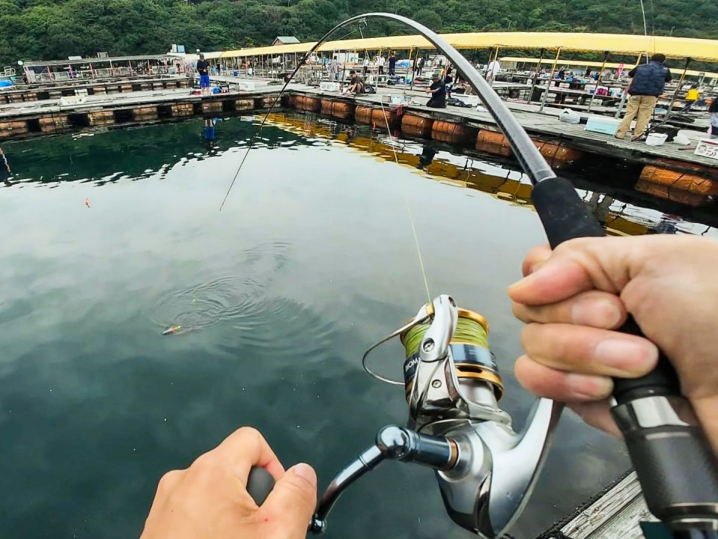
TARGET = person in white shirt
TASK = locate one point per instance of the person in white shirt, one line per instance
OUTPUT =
(381, 64)
(493, 68)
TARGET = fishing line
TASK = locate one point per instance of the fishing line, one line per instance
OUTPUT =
(266, 117)
(408, 209)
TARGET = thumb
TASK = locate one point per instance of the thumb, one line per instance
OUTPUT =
(293, 500)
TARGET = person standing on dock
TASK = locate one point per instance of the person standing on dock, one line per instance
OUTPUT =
(380, 62)
(203, 72)
(648, 83)
(437, 91)
(713, 109)
(392, 64)
(692, 97)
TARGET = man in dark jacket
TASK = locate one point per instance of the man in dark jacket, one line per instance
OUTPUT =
(647, 84)
(437, 91)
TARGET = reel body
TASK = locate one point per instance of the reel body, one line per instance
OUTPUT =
(484, 469)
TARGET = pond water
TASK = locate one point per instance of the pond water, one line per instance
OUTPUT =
(111, 237)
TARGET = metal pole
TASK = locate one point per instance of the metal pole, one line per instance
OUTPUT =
(550, 80)
(411, 66)
(493, 75)
(413, 75)
(678, 89)
(624, 97)
(533, 84)
(598, 80)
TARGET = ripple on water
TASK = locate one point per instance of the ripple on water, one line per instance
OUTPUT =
(206, 304)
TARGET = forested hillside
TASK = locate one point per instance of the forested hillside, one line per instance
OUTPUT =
(52, 29)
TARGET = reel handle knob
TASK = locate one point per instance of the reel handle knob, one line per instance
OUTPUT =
(259, 484)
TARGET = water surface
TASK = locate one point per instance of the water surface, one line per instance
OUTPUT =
(312, 259)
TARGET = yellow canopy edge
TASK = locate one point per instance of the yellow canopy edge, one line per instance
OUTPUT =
(586, 63)
(673, 47)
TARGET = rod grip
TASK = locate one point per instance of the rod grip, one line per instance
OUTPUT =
(562, 212)
(565, 217)
(677, 471)
(259, 484)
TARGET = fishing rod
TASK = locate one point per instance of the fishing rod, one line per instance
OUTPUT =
(484, 469)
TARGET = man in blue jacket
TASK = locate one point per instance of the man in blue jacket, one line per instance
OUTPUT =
(647, 84)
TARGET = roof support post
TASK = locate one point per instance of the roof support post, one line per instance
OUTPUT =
(538, 68)
(598, 80)
(550, 80)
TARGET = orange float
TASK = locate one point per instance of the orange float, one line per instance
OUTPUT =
(683, 187)
(382, 117)
(363, 114)
(244, 104)
(493, 142)
(557, 155)
(416, 126)
(309, 104)
(9, 129)
(338, 109)
(452, 133)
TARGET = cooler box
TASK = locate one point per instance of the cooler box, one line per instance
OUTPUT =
(707, 148)
(329, 86)
(607, 126)
(246, 86)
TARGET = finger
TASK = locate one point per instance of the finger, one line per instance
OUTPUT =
(555, 280)
(246, 448)
(292, 501)
(581, 264)
(558, 385)
(168, 482)
(536, 257)
(598, 415)
(586, 350)
(594, 309)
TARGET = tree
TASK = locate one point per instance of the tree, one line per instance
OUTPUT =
(428, 18)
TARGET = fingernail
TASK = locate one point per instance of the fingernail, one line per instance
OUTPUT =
(520, 283)
(589, 387)
(599, 313)
(627, 356)
(305, 471)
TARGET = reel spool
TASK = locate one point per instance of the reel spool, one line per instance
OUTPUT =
(450, 375)
(469, 347)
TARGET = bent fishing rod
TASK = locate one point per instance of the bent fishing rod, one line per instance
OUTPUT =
(484, 469)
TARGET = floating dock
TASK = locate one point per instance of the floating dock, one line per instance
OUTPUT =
(615, 513)
(665, 172)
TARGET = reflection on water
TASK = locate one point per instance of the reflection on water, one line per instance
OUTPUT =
(311, 260)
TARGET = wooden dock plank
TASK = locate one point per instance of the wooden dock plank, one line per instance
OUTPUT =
(614, 515)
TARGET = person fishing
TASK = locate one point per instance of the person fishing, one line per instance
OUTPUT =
(437, 91)
(648, 83)
(203, 71)
(573, 300)
(356, 84)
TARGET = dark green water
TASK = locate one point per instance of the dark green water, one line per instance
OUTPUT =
(311, 260)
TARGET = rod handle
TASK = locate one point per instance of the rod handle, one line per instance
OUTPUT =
(675, 465)
(565, 217)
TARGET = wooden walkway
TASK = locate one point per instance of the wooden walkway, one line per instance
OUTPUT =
(615, 514)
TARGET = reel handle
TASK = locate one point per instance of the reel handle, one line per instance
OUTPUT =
(676, 467)
(259, 484)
